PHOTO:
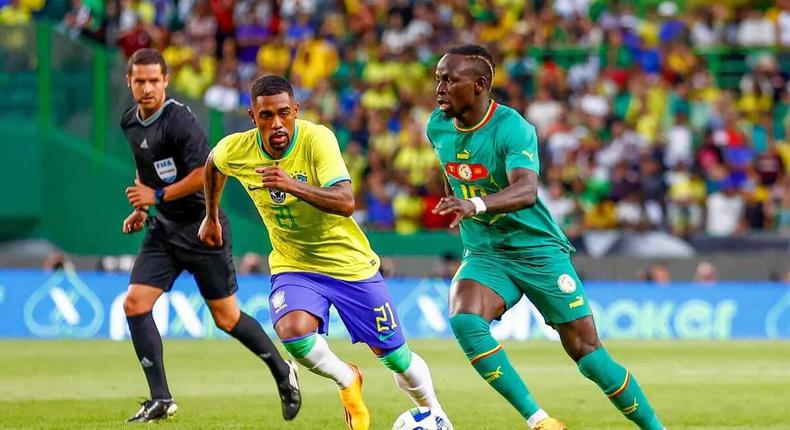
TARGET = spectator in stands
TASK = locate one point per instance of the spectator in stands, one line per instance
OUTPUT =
(629, 108)
(378, 200)
(382, 140)
(202, 25)
(415, 156)
(224, 95)
(57, 260)
(678, 147)
(15, 13)
(632, 213)
(559, 204)
(602, 216)
(725, 210)
(196, 75)
(783, 207)
(407, 207)
(315, 60)
(783, 22)
(755, 29)
(624, 181)
(705, 32)
(686, 196)
(251, 263)
(274, 57)
(137, 35)
(86, 18)
(251, 34)
(706, 273)
(658, 273)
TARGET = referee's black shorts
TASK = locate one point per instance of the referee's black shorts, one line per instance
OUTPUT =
(162, 259)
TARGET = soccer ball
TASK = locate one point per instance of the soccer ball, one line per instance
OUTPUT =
(422, 418)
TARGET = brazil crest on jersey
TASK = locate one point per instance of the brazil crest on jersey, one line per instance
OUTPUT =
(304, 238)
(476, 161)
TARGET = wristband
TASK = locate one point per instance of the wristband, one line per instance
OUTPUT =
(159, 195)
(480, 206)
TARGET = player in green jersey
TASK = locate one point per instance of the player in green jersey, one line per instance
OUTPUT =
(489, 154)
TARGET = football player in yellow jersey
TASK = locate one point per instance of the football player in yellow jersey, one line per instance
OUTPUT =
(294, 173)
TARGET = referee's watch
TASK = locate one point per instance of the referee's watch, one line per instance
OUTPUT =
(159, 195)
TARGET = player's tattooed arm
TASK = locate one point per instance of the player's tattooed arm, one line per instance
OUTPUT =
(213, 183)
(521, 193)
(336, 199)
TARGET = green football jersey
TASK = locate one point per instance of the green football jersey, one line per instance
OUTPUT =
(476, 161)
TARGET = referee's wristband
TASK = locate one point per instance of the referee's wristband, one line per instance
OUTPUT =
(159, 195)
(480, 207)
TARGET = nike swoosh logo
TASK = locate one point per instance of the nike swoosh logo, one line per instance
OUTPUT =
(253, 187)
(383, 337)
(419, 416)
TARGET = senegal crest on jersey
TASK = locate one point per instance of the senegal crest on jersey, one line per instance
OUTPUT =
(466, 172)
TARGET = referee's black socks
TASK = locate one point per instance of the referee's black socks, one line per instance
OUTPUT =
(250, 333)
(148, 346)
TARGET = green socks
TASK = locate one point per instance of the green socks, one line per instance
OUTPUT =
(621, 387)
(301, 346)
(398, 360)
(491, 362)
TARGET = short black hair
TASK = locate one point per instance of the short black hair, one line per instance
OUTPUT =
(271, 85)
(479, 56)
(146, 56)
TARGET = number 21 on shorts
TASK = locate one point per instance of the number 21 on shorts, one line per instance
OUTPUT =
(386, 320)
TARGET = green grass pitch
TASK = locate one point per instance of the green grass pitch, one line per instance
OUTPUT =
(218, 384)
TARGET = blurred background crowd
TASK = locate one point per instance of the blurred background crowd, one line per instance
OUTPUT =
(637, 130)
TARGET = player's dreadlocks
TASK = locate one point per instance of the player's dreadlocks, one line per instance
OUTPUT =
(482, 60)
(271, 85)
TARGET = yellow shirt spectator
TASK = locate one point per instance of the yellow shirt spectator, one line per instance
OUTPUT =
(175, 56)
(193, 82)
(381, 98)
(416, 161)
(356, 163)
(408, 76)
(783, 149)
(688, 189)
(274, 58)
(384, 143)
(315, 60)
(408, 210)
(32, 5)
(754, 106)
(602, 216)
(649, 32)
(490, 33)
(377, 71)
(14, 15)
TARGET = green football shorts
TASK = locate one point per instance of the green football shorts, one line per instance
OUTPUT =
(549, 281)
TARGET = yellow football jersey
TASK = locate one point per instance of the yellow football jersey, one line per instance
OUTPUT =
(304, 238)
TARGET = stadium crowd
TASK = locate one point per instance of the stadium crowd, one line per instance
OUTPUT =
(636, 130)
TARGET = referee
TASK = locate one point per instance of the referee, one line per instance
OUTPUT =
(170, 150)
